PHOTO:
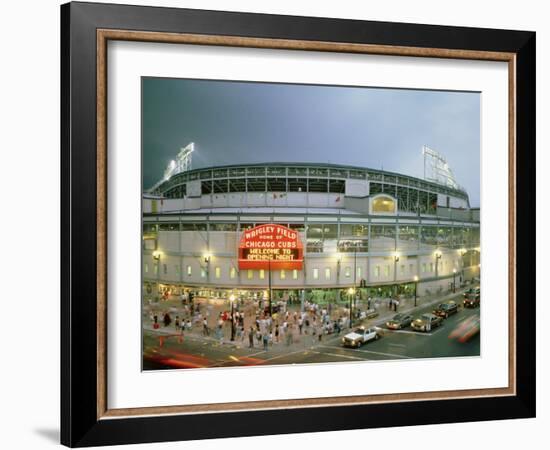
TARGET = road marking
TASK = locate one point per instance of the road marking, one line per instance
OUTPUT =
(397, 345)
(391, 355)
(337, 355)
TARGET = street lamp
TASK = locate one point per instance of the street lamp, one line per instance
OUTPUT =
(395, 261)
(338, 263)
(437, 258)
(415, 288)
(232, 300)
(351, 292)
(454, 281)
(156, 256)
(207, 258)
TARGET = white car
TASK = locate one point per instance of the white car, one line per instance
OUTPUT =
(360, 336)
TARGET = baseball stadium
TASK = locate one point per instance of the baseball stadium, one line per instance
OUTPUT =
(306, 232)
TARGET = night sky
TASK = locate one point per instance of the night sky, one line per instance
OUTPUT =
(243, 122)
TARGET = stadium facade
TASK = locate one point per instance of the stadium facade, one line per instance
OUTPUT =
(357, 228)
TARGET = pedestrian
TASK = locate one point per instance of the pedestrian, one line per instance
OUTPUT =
(368, 303)
(320, 333)
(177, 323)
(205, 330)
(265, 339)
(277, 332)
(251, 338)
(167, 320)
(390, 304)
(300, 324)
(396, 303)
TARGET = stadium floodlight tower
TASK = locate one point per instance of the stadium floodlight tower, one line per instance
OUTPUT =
(182, 163)
(437, 169)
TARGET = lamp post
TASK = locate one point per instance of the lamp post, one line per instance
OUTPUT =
(395, 261)
(156, 256)
(462, 254)
(269, 281)
(437, 258)
(351, 292)
(415, 288)
(207, 258)
(454, 281)
(232, 300)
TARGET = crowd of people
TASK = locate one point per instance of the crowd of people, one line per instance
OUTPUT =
(260, 325)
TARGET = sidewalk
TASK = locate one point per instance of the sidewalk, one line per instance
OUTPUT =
(300, 341)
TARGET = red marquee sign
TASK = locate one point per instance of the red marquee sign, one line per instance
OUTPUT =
(271, 247)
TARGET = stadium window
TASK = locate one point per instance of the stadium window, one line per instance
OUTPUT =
(218, 272)
(203, 273)
(188, 271)
(318, 185)
(276, 184)
(402, 269)
(347, 272)
(315, 274)
(255, 184)
(146, 268)
(376, 271)
(327, 273)
(237, 185)
(295, 274)
(249, 274)
(206, 187)
(431, 267)
(359, 272)
(223, 227)
(337, 186)
(177, 269)
(262, 274)
(386, 271)
(297, 184)
(169, 227)
(283, 274)
(232, 272)
(423, 267)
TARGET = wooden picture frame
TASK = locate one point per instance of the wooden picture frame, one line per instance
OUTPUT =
(86, 419)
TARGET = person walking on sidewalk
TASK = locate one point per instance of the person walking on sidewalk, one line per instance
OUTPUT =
(205, 330)
(251, 337)
(265, 340)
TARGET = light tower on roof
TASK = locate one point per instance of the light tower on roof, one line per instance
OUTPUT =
(437, 169)
(182, 163)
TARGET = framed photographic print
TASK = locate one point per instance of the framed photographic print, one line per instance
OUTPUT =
(321, 224)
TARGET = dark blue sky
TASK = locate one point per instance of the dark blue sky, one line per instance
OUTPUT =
(242, 122)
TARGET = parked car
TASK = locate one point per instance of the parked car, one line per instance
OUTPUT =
(399, 321)
(360, 336)
(446, 309)
(472, 298)
(426, 322)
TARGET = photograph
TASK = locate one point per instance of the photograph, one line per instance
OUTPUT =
(289, 224)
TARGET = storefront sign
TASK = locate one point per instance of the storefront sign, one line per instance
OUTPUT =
(271, 247)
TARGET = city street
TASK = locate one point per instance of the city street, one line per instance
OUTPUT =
(166, 349)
